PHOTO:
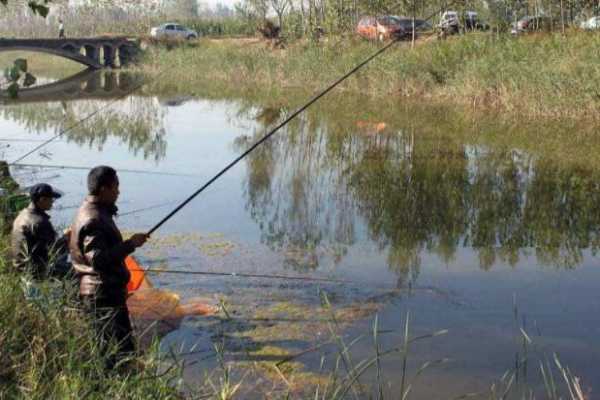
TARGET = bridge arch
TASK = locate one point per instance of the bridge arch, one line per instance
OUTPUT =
(94, 53)
(71, 54)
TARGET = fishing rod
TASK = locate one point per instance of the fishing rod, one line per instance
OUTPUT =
(271, 133)
(313, 100)
(76, 167)
(79, 122)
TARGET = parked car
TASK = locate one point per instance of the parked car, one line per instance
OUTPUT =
(420, 24)
(450, 22)
(531, 23)
(474, 23)
(591, 24)
(381, 28)
(172, 30)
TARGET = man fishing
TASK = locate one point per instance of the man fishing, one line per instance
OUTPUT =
(98, 252)
(36, 247)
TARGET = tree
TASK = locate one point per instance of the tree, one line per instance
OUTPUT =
(280, 7)
(259, 7)
(39, 8)
(17, 74)
(181, 8)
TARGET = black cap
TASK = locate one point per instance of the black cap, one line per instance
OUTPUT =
(43, 190)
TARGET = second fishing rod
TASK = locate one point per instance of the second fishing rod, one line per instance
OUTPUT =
(313, 100)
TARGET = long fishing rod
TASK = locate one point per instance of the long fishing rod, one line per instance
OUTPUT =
(79, 122)
(278, 127)
(271, 133)
(77, 167)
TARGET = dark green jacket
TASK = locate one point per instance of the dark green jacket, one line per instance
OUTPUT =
(34, 241)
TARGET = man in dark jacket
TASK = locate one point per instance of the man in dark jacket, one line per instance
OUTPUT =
(98, 253)
(36, 247)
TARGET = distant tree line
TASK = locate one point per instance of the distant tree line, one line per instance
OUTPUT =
(302, 17)
(296, 18)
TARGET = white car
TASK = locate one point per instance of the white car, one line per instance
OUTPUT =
(172, 30)
(449, 18)
(449, 23)
(590, 24)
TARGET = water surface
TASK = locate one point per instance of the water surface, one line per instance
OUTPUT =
(478, 226)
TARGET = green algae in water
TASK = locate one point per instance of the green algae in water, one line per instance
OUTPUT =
(189, 243)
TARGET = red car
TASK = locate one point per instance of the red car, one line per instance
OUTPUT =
(381, 28)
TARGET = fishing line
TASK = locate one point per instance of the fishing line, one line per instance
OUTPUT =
(139, 210)
(79, 122)
(76, 167)
(386, 288)
(278, 127)
(21, 140)
(245, 275)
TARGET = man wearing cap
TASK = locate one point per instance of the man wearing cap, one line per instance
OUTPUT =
(35, 245)
(98, 252)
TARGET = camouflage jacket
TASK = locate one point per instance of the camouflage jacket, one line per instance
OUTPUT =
(33, 241)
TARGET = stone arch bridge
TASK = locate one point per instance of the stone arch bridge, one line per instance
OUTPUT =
(94, 53)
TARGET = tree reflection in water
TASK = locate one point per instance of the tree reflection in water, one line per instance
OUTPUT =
(137, 121)
(312, 187)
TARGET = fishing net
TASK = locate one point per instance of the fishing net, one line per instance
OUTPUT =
(147, 302)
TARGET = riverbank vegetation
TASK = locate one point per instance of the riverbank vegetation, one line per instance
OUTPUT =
(546, 75)
(49, 350)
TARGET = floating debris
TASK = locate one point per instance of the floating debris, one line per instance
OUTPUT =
(371, 128)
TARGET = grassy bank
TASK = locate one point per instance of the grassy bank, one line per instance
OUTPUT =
(547, 75)
(48, 350)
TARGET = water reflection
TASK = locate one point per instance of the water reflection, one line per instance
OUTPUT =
(87, 84)
(138, 121)
(298, 194)
(337, 177)
(417, 192)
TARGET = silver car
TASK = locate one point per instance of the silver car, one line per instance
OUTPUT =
(172, 30)
(591, 24)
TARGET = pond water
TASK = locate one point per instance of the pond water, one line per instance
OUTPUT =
(481, 227)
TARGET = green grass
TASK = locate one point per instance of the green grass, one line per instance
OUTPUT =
(49, 350)
(545, 75)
